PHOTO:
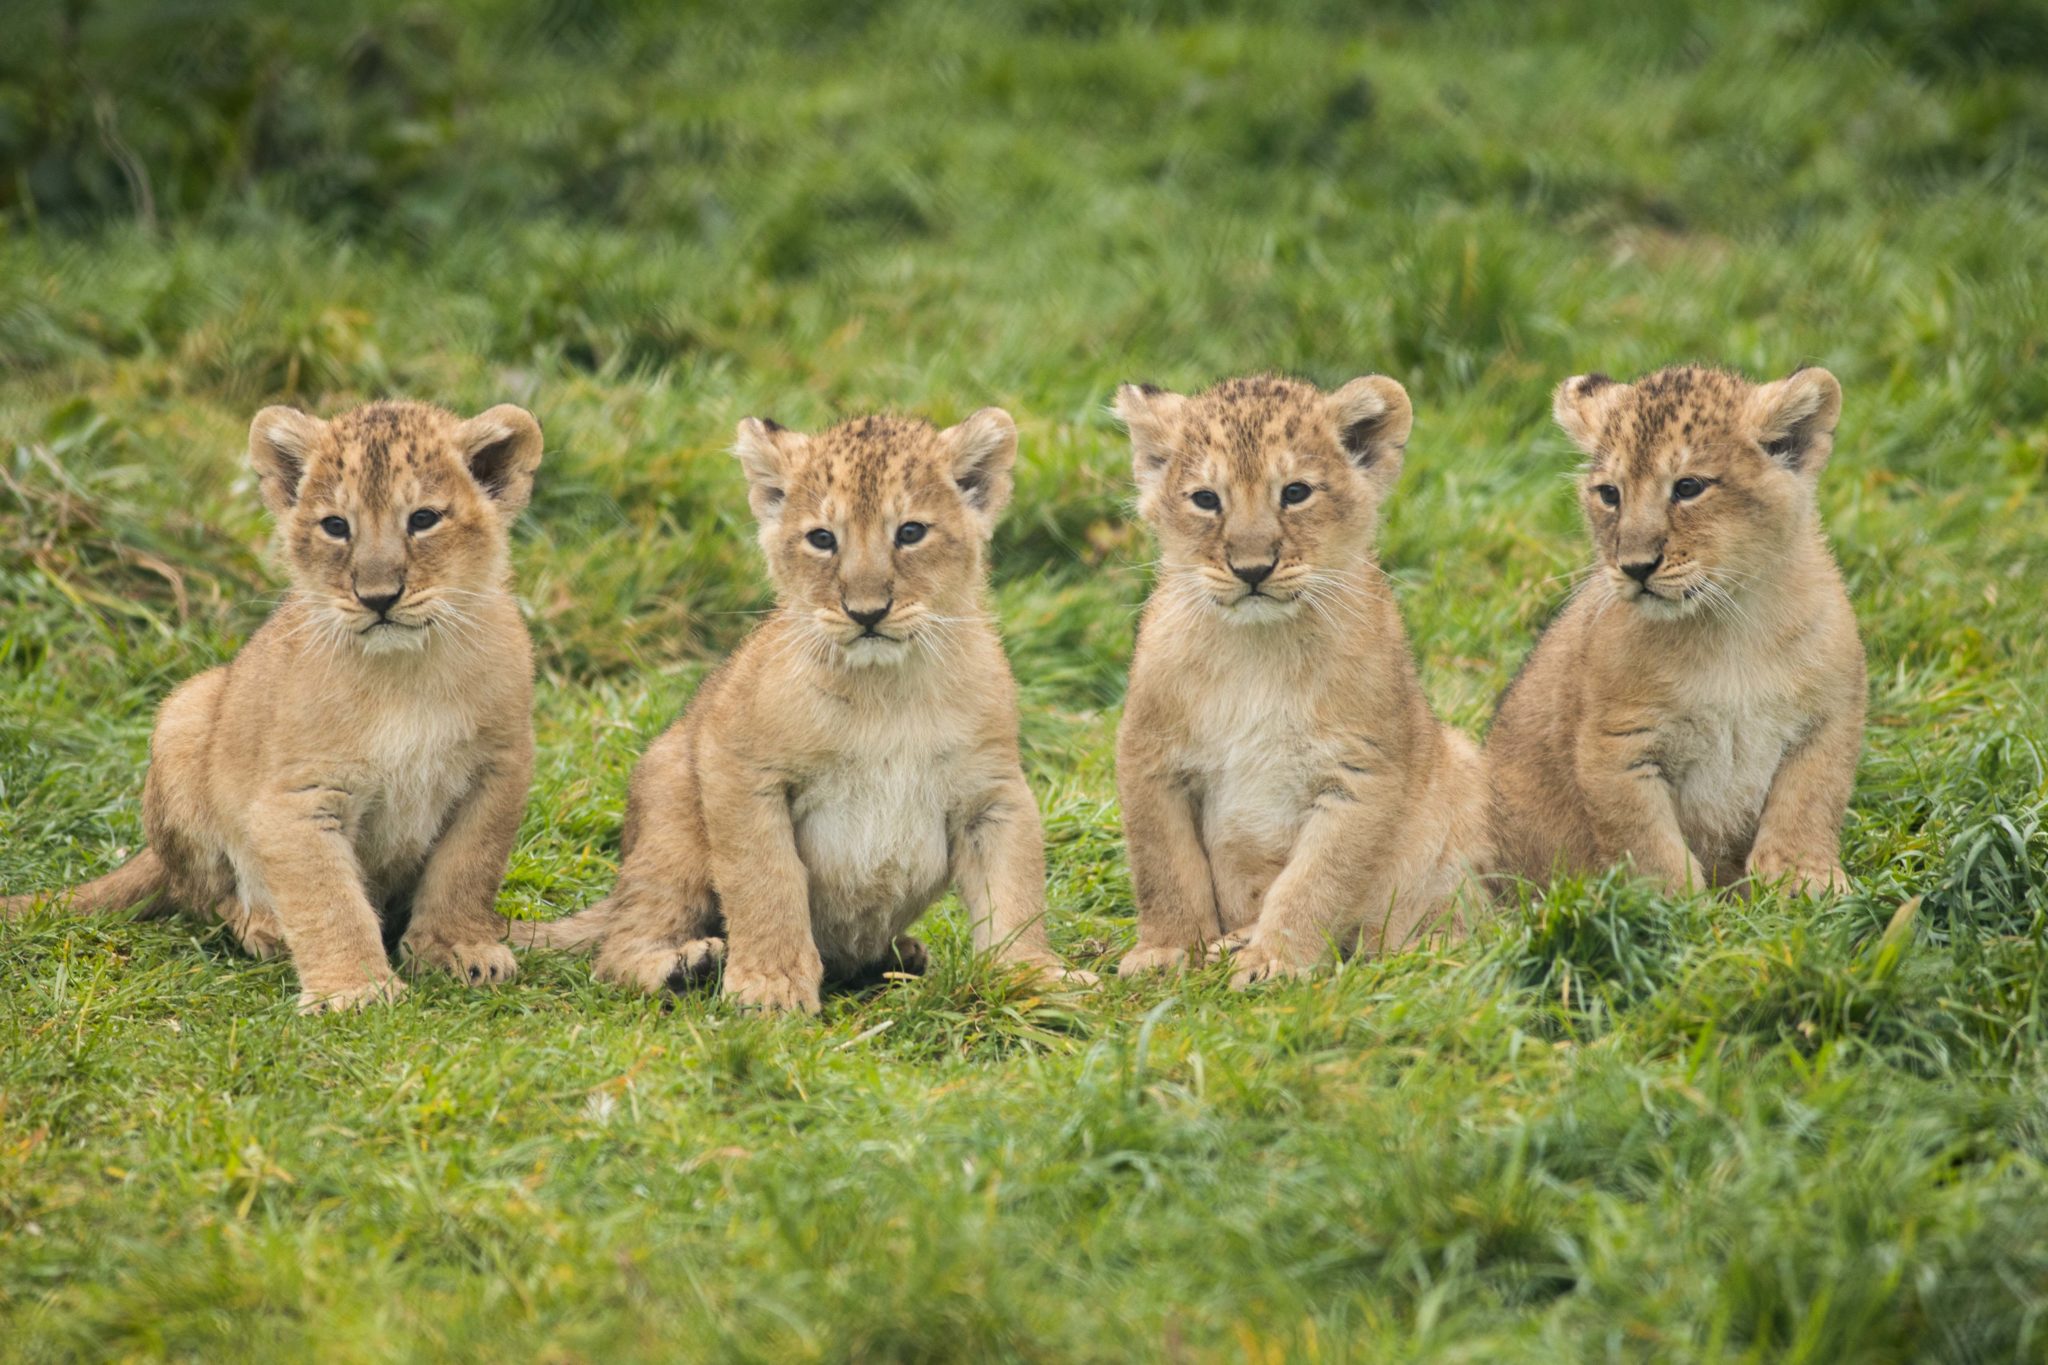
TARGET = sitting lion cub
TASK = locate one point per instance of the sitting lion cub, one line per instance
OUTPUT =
(372, 742)
(856, 754)
(1697, 708)
(1285, 785)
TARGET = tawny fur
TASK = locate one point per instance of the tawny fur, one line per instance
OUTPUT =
(832, 779)
(1704, 722)
(1286, 788)
(371, 745)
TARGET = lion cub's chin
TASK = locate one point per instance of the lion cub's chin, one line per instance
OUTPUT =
(871, 651)
(1260, 609)
(1659, 606)
(392, 637)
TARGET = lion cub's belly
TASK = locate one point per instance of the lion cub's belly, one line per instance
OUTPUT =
(1722, 755)
(872, 837)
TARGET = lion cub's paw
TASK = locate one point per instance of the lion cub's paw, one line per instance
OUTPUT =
(654, 965)
(1253, 963)
(258, 931)
(1230, 945)
(1142, 959)
(908, 955)
(480, 962)
(1802, 879)
(358, 994)
(775, 988)
(1050, 971)
(693, 964)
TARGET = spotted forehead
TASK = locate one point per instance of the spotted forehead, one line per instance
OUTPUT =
(372, 451)
(1249, 421)
(863, 462)
(1686, 410)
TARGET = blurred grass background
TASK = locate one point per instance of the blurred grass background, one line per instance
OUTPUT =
(1613, 1126)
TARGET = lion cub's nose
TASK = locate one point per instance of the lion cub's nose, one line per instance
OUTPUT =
(868, 620)
(382, 602)
(1641, 570)
(1254, 574)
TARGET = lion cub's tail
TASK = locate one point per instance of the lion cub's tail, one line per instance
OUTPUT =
(140, 884)
(579, 932)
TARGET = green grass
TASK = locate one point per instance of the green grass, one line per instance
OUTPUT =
(1611, 1126)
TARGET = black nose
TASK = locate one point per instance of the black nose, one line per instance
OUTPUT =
(868, 620)
(382, 602)
(1255, 575)
(1642, 570)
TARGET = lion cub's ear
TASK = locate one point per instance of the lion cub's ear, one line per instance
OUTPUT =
(281, 444)
(1580, 406)
(1152, 416)
(1373, 417)
(501, 449)
(767, 451)
(982, 451)
(1794, 419)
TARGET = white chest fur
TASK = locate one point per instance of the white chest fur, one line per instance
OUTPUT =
(418, 758)
(1735, 726)
(1254, 757)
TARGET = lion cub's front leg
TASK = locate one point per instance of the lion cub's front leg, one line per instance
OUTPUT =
(1342, 881)
(998, 859)
(1798, 837)
(1170, 875)
(1630, 802)
(771, 956)
(298, 837)
(455, 920)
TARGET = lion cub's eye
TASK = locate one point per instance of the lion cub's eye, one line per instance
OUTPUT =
(909, 533)
(822, 539)
(1608, 494)
(1295, 493)
(335, 526)
(422, 520)
(1687, 488)
(1205, 500)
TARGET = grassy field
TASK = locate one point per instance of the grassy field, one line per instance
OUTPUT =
(1611, 1126)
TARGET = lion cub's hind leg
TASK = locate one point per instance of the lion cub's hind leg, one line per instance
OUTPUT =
(660, 940)
(255, 928)
(905, 956)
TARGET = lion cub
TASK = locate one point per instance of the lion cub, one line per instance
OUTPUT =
(1285, 785)
(371, 744)
(1697, 707)
(858, 752)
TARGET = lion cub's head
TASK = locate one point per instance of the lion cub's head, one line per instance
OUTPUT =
(1265, 492)
(394, 516)
(1697, 482)
(876, 529)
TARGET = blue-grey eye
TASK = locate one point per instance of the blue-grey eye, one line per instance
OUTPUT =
(822, 539)
(1687, 488)
(1294, 494)
(910, 532)
(1205, 500)
(335, 526)
(1608, 494)
(422, 519)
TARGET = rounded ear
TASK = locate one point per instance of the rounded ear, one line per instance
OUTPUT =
(501, 448)
(1152, 416)
(983, 451)
(1580, 407)
(766, 451)
(1373, 418)
(1794, 419)
(281, 444)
